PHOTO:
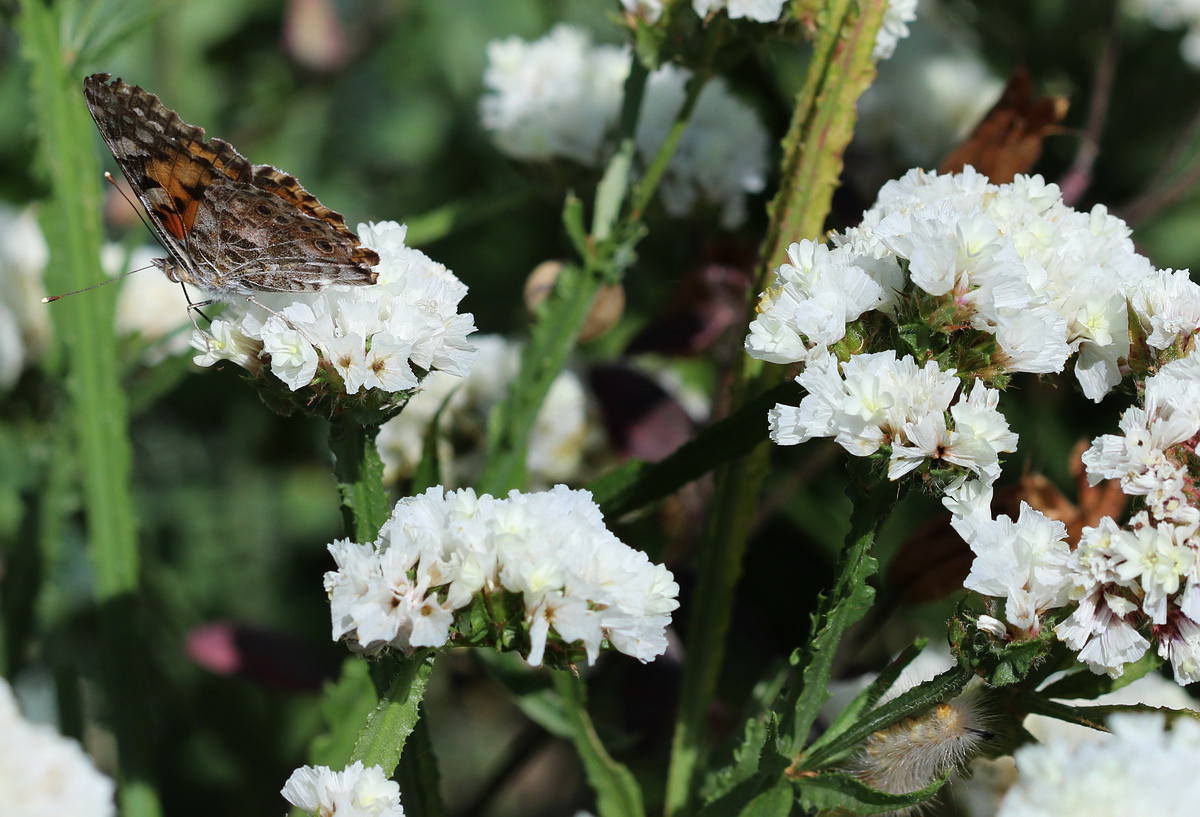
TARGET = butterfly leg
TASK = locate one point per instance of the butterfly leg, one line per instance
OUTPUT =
(286, 320)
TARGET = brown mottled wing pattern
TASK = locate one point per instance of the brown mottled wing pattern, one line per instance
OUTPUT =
(229, 225)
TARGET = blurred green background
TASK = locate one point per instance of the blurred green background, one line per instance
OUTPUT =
(373, 105)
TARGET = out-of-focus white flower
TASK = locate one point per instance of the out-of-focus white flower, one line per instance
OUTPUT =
(43, 773)
(1173, 14)
(928, 96)
(896, 18)
(357, 791)
(564, 572)
(374, 338)
(760, 11)
(557, 445)
(981, 792)
(722, 156)
(1140, 769)
(560, 97)
(150, 306)
(554, 97)
(648, 10)
(24, 320)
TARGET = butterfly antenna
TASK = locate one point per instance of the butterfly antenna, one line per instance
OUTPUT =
(52, 298)
(108, 177)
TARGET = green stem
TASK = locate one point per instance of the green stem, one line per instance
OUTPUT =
(821, 128)
(382, 739)
(85, 327)
(359, 471)
(643, 191)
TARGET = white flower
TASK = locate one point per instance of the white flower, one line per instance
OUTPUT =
(761, 11)
(1168, 305)
(896, 18)
(440, 549)
(43, 773)
(874, 399)
(357, 791)
(375, 337)
(1140, 769)
(1172, 14)
(809, 303)
(1014, 261)
(1024, 562)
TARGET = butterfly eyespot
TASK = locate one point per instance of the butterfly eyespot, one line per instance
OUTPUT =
(305, 228)
(262, 209)
(323, 245)
(281, 219)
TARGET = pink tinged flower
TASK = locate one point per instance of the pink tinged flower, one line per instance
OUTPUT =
(927, 438)
(1179, 643)
(1099, 633)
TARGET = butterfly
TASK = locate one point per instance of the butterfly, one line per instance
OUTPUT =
(231, 228)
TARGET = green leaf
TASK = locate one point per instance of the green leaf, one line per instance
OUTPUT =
(529, 690)
(774, 802)
(553, 335)
(610, 193)
(1086, 684)
(617, 793)
(756, 769)
(848, 602)
(835, 790)
(572, 218)
(345, 705)
(866, 699)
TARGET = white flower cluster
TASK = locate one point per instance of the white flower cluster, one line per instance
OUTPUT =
(1140, 769)
(383, 337)
(43, 773)
(356, 791)
(548, 552)
(875, 399)
(1173, 14)
(1128, 581)
(561, 432)
(560, 97)
(1008, 260)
